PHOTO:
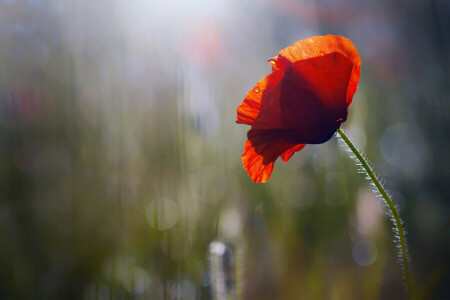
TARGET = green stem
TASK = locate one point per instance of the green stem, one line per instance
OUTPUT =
(396, 218)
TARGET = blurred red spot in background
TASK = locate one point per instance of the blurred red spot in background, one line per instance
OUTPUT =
(203, 44)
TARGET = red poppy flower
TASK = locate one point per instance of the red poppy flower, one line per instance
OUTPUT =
(303, 101)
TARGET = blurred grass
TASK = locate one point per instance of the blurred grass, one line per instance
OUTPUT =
(106, 107)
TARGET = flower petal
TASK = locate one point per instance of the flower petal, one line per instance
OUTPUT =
(261, 150)
(311, 98)
(317, 46)
(253, 163)
(249, 109)
(288, 154)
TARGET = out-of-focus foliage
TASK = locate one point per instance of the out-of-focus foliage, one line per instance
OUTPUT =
(120, 158)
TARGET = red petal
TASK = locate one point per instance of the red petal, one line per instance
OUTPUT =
(312, 98)
(317, 46)
(261, 150)
(288, 154)
(253, 163)
(249, 109)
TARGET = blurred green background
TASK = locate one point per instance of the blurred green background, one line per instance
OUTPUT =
(120, 156)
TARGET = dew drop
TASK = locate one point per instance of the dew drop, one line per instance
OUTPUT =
(322, 53)
(256, 89)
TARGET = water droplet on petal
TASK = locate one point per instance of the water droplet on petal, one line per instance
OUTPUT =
(340, 120)
(256, 89)
(322, 53)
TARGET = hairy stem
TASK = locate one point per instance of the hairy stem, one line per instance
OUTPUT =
(395, 217)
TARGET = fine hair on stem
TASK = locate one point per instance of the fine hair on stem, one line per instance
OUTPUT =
(391, 209)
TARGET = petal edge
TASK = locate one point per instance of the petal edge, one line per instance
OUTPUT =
(253, 163)
(248, 110)
(288, 153)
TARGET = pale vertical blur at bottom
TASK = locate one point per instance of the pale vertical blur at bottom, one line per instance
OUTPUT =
(120, 168)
